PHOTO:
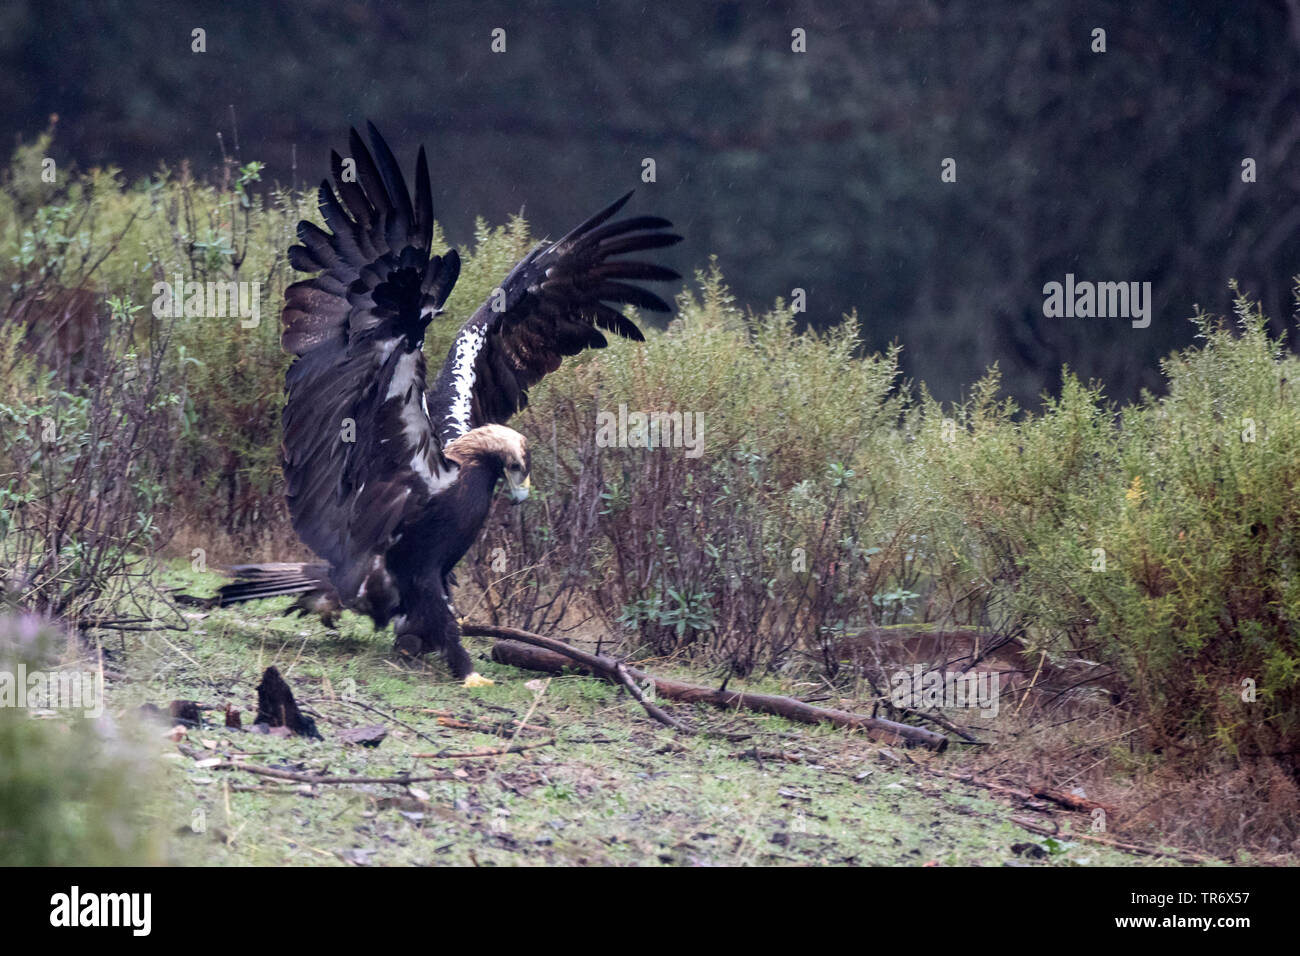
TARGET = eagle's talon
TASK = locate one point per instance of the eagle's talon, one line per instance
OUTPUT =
(477, 680)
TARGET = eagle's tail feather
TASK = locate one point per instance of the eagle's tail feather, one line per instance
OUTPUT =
(310, 582)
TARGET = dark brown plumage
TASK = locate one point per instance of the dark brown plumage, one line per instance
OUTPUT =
(390, 482)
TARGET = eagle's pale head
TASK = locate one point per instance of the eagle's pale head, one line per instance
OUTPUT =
(500, 448)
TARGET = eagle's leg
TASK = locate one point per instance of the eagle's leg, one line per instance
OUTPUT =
(442, 635)
(460, 665)
(457, 658)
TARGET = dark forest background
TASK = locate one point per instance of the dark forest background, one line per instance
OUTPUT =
(818, 170)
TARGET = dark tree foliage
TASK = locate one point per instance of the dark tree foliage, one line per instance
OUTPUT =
(816, 170)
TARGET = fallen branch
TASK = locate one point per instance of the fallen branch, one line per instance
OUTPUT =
(755, 754)
(485, 751)
(623, 675)
(526, 657)
(400, 780)
(1067, 800)
(1072, 802)
(615, 672)
(1181, 855)
(524, 649)
(943, 722)
(498, 730)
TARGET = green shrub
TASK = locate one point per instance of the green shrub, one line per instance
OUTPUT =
(754, 548)
(1160, 539)
(1206, 543)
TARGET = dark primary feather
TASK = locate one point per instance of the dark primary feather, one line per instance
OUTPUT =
(557, 299)
(358, 461)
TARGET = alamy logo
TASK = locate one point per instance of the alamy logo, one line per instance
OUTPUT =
(1101, 300)
(103, 909)
(53, 690)
(651, 430)
(921, 688)
(209, 300)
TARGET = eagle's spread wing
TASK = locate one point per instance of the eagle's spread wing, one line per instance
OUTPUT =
(553, 304)
(360, 453)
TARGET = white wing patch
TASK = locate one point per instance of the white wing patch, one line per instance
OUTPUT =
(417, 429)
(404, 376)
(418, 433)
(468, 346)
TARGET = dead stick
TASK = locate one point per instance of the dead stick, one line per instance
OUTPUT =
(499, 730)
(876, 727)
(527, 657)
(615, 672)
(942, 721)
(486, 751)
(1042, 657)
(1180, 855)
(625, 678)
(400, 780)
(373, 710)
(1067, 800)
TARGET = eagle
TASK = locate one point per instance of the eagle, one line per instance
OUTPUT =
(389, 479)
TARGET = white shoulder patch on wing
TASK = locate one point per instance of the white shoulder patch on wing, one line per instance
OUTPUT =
(468, 346)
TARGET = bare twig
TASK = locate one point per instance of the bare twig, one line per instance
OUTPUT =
(499, 730)
(399, 780)
(373, 710)
(485, 751)
(1181, 855)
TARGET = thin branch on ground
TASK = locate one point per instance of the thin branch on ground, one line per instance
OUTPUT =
(485, 751)
(399, 780)
(373, 710)
(512, 649)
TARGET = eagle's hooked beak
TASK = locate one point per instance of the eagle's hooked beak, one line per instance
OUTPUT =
(519, 490)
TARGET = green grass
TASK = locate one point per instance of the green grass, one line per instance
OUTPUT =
(614, 789)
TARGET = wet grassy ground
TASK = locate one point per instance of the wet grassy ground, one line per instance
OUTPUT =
(610, 786)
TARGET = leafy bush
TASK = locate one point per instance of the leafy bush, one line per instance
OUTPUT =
(754, 548)
(1160, 539)
(86, 438)
(1206, 539)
